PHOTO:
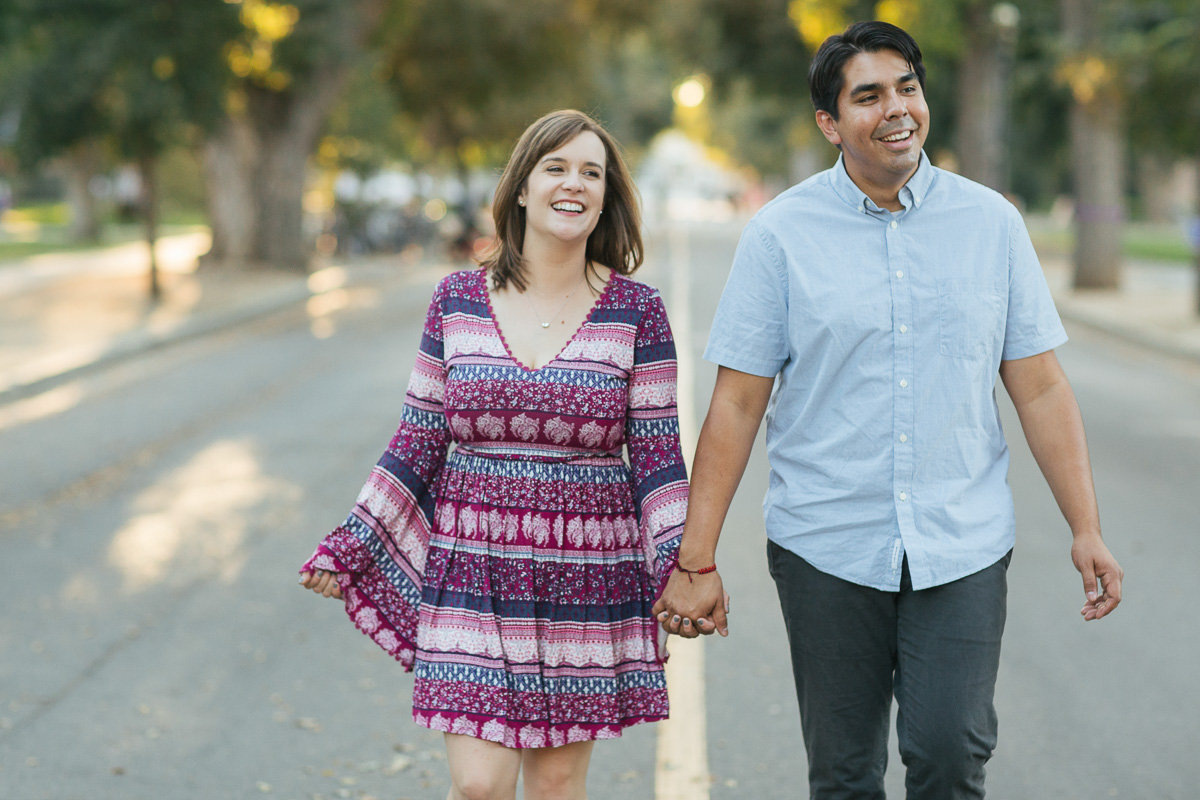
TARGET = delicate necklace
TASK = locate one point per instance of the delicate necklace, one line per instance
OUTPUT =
(553, 317)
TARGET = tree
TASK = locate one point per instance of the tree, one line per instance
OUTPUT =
(289, 64)
(131, 77)
(1164, 102)
(1097, 141)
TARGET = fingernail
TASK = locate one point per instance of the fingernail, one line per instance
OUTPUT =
(1091, 595)
(675, 619)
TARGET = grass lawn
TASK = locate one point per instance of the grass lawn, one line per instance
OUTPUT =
(34, 230)
(1140, 240)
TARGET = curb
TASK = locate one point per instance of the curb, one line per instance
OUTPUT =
(136, 342)
(1142, 336)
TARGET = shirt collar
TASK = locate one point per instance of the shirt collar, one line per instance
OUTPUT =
(912, 194)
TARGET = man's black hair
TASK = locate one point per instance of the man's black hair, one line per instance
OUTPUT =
(826, 75)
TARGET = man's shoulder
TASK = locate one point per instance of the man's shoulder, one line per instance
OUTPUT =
(952, 188)
(810, 193)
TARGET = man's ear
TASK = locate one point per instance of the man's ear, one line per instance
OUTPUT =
(828, 126)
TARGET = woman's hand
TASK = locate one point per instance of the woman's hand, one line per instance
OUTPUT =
(695, 607)
(321, 582)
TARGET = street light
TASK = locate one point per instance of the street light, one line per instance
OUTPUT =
(690, 93)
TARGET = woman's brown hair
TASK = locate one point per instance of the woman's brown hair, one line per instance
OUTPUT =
(616, 241)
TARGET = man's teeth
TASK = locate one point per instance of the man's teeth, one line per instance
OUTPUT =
(567, 207)
(898, 137)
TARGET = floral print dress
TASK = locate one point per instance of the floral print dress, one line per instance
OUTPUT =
(502, 547)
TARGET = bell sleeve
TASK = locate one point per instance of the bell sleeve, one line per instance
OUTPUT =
(379, 552)
(660, 487)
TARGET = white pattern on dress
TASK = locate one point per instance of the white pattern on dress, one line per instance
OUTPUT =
(591, 434)
(525, 428)
(490, 426)
(558, 431)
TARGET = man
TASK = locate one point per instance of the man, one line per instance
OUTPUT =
(886, 295)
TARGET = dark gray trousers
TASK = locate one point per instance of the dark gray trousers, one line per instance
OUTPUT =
(937, 651)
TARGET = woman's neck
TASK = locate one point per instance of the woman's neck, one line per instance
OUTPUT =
(550, 269)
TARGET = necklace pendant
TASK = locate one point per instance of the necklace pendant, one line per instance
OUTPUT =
(545, 324)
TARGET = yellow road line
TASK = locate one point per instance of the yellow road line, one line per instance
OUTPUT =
(681, 769)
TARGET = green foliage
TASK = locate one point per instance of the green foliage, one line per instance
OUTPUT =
(469, 75)
(1164, 78)
(129, 71)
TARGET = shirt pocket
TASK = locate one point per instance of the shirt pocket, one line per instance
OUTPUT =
(969, 316)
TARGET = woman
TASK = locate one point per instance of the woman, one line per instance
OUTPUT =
(517, 573)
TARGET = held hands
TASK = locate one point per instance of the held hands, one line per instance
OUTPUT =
(322, 582)
(689, 608)
(1102, 575)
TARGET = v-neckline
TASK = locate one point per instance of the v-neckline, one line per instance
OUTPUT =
(499, 332)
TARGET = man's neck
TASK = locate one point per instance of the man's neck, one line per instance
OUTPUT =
(883, 193)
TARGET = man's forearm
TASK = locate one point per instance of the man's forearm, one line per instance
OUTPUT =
(726, 440)
(1054, 429)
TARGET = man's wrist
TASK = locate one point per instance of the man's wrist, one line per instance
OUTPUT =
(1086, 531)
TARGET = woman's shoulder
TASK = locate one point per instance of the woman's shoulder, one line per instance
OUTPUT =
(467, 284)
(626, 291)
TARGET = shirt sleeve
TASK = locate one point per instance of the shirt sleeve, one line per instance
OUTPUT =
(379, 551)
(660, 488)
(1032, 325)
(750, 330)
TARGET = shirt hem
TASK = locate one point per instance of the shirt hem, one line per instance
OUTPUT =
(763, 369)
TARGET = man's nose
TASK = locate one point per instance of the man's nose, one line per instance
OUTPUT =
(895, 105)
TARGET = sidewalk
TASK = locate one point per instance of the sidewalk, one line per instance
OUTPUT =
(61, 315)
(1155, 307)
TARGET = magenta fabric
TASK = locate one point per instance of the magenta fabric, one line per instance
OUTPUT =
(503, 547)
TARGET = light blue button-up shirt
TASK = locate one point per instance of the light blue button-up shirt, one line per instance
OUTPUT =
(886, 331)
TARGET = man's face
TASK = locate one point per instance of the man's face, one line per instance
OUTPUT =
(882, 120)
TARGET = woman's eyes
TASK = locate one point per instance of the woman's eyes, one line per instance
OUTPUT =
(555, 168)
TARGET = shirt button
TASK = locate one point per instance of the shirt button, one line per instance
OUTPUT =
(903, 384)
(904, 329)
(899, 273)
(894, 224)
(903, 496)
(903, 438)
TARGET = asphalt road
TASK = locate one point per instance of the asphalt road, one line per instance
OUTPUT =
(155, 645)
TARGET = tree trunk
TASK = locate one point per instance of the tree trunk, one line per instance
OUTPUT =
(1164, 186)
(147, 168)
(79, 167)
(279, 189)
(983, 91)
(257, 163)
(256, 167)
(1097, 157)
(230, 156)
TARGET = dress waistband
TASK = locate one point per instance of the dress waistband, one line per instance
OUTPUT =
(501, 453)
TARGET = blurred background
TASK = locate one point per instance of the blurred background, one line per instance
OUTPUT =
(293, 131)
(220, 225)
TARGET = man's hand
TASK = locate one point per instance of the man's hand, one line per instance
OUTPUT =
(690, 608)
(1101, 573)
(322, 582)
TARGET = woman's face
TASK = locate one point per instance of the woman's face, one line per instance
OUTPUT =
(564, 193)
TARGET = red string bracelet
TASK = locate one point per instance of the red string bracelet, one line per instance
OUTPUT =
(691, 572)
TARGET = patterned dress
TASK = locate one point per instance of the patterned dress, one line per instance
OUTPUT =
(516, 573)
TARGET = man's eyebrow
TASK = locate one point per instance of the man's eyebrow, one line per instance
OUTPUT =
(864, 88)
